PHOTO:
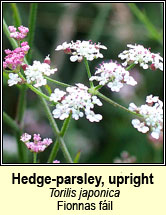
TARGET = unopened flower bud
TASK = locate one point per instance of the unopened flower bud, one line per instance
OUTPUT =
(47, 60)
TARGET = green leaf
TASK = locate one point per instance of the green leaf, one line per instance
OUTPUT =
(77, 157)
(16, 15)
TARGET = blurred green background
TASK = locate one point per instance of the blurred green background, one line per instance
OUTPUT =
(114, 25)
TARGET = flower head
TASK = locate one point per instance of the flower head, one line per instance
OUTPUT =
(137, 54)
(77, 101)
(15, 58)
(13, 79)
(152, 113)
(113, 75)
(82, 49)
(18, 35)
(35, 73)
(38, 145)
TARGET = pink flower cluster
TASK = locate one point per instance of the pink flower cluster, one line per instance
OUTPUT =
(18, 35)
(38, 145)
(16, 57)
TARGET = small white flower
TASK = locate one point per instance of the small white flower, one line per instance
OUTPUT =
(151, 99)
(81, 49)
(152, 114)
(25, 137)
(34, 74)
(137, 54)
(13, 79)
(133, 107)
(114, 75)
(57, 95)
(75, 101)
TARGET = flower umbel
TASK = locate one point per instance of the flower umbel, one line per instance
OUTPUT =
(18, 35)
(75, 100)
(152, 113)
(81, 49)
(113, 75)
(35, 73)
(137, 54)
(38, 145)
(15, 58)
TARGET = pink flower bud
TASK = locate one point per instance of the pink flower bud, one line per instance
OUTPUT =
(152, 67)
(47, 60)
(12, 29)
(24, 66)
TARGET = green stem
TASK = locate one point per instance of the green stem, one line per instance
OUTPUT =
(130, 67)
(153, 32)
(88, 71)
(56, 144)
(54, 151)
(7, 33)
(16, 14)
(57, 82)
(65, 125)
(18, 132)
(10, 122)
(98, 87)
(116, 104)
(56, 131)
(21, 105)
(32, 23)
(39, 93)
(34, 157)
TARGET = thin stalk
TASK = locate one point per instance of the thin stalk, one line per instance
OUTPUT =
(34, 157)
(65, 126)
(10, 122)
(32, 24)
(116, 104)
(16, 14)
(130, 67)
(56, 131)
(21, 105)
(18, 132)
(57, 82)
(88, 71)
(38, 92)
(7, 33)
(153, 32)
(22, 150)
(54, 151)
(57, 144)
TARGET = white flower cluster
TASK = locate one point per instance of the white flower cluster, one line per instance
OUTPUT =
(114, 75)
(34, 74)
(75, 100)
(152, 113)
(13, 79)
(137, 54)
(125, 157)
(81, 49)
